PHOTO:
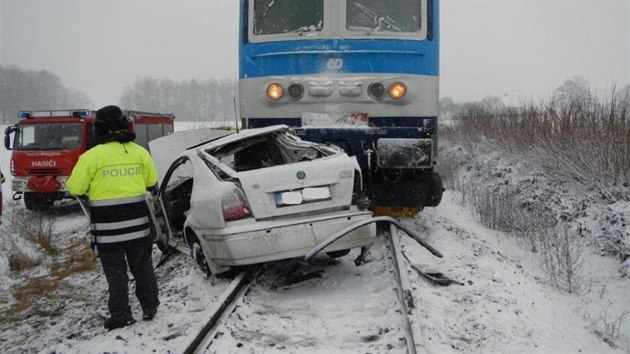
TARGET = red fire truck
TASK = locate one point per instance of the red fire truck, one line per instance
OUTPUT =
(47, 144)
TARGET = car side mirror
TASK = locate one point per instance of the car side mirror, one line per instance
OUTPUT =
(7, 136)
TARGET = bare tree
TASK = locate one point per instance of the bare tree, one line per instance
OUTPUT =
(191, 100)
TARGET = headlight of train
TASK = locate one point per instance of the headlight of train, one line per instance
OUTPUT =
(296, 91)
(397, 90)
(376, 90)
(275, 92)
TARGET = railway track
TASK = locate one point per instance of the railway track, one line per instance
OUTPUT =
(370, 308)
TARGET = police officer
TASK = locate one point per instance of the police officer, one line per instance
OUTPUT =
(115, 175)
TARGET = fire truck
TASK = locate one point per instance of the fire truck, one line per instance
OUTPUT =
(47, 144)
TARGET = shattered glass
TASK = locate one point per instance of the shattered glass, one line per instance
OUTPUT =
(288, 16)
(383, 16)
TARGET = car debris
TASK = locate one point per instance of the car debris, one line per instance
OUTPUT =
(257, 196)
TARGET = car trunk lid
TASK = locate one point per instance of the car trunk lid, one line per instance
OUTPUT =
(303, 187)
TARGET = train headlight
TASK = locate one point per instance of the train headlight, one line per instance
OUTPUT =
(376, 90)
(397, 90)
(296, 91)
(275, 92)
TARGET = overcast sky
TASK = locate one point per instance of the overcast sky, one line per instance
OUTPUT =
(491, 47)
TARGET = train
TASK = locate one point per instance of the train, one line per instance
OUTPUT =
(362, 75)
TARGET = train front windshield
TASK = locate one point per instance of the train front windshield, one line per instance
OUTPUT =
(383, 16)
(275, 17)
(280, 20)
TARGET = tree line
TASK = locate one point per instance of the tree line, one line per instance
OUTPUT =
(22, 90)
(193, 100)
(574, 92)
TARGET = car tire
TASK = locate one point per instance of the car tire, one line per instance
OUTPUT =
(338, 254)
(196, 252)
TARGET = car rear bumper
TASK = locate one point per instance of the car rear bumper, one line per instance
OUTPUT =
(267, 241)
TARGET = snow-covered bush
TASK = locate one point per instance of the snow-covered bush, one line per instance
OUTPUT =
(561, 252)
(25, 239)
(547, 164)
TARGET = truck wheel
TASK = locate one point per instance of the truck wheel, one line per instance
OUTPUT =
(37, 201)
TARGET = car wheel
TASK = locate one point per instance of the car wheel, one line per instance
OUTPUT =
(338, 254)
(197, 254)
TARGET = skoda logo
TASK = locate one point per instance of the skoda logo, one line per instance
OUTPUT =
(301, 175)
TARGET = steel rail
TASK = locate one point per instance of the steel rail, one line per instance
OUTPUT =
(228, 298)
(239, 286)
(415, 340)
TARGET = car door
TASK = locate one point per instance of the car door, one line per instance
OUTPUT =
(172, 203)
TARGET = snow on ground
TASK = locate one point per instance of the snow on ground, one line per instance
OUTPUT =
(348, 310)
(69, 319)
(505, 305)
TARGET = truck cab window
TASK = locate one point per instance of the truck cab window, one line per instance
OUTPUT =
(91, 136)
(49, 136)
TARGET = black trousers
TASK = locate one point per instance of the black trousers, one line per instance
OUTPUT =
(115, 258)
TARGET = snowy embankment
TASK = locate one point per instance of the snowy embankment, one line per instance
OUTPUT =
(507, 302)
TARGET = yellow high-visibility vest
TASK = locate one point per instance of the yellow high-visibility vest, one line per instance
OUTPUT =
(113, 170)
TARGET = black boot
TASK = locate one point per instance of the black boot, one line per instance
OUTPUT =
(118, 322)
(149, 314)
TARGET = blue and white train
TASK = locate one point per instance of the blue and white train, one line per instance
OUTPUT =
(360, 74)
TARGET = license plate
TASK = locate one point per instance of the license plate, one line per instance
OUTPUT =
(18, 185)
(306, 195)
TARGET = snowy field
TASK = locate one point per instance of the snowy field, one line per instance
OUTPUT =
(505, 305)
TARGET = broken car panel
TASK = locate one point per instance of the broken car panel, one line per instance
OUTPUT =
(258, 196)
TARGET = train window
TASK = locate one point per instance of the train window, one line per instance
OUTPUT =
(383, 16)
(288, 16)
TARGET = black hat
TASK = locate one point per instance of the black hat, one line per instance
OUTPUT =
(110, 119)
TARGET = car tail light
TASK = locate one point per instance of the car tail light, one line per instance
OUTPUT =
(234, 205)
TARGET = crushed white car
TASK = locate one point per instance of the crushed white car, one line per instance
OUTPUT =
(257, 196)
